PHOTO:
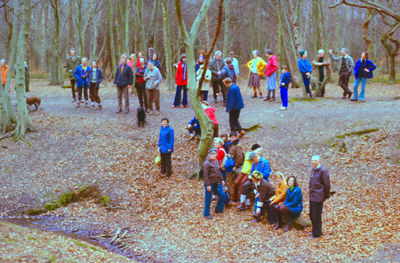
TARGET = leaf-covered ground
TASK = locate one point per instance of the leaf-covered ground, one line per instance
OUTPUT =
(74, 147)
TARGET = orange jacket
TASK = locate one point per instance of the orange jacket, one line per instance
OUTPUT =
(280, 194)
(4, 73)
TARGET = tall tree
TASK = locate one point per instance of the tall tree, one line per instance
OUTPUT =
(110, 21)
(167, 44)
(23, 122)
(56, 72)
(189, 38)
(227, 10)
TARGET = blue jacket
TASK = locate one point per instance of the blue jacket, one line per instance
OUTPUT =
(166, 140)
(294, 200)
(286, 79)
(124, 79)
(304, 66)
(196, 125)
(229, 164)
(81, 76)
(234, 100)
(156, 63)
(262, 167)
(226, 72)
(370, 65)
(99, 76)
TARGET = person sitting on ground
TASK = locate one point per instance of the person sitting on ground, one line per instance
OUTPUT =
(221, 155)
(284, 82)
(277, 199)
(213, 183)
(194, 128)
(243, 175)
(263, 191)
(292, 206)
(227, 141)
(235, 150)
(210, 111)
(261, 165)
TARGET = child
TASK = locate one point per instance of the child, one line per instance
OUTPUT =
(210, 111)
(95, 77)
(194, 128)
(227, 142)
(284, 86)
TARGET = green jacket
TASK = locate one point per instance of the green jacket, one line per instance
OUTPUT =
(71, 66)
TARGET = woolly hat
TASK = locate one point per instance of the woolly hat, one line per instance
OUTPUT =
(302, 52)
(256, 175)
(212, 150)
(255, 146)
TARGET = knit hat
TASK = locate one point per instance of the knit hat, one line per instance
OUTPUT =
(183, 56)
(212, 150)
(256, 175)
(302, 52)
(255, 146)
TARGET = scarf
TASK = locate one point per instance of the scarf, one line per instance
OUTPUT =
(184, 71)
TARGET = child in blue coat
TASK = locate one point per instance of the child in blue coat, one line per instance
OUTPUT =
(194, 128)
(166, 147)
(284, 81)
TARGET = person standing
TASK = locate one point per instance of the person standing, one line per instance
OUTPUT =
(153, 78)
(213, 183)
(206, 81)
(4, 72)
(235, 63)
(345, 68)
(305, 70)
(81, 74)
(156, 61)
(284, 81)
(228, 71)
(270, 72)
(319, 190)
(216, 66)
(73, 62)
(166, 147)
(132, 61)
(322, 64)
(181, 83)
(256, 67)
(150, 52)
(95, 77)
(140, 85)
(362, 71)
(234, 103)
(123, 79)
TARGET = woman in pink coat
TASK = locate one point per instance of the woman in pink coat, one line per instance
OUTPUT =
(270, 72)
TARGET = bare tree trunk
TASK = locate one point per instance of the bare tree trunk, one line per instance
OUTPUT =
(110, 19)
(43, 46)
(126, 37)
(226, 26)
(56, 72)
(189, 40)
(143, 40)
(23, 122)
(366, 36)
(167, 45)
(207, 30)
(71, 36)
(392, 51)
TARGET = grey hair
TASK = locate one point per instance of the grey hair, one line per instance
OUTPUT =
(256, 52)
(316, 158)
(3, 60)
(321, 51)
(344, 50)
(124, 56)
(218, 52)
(219, 140)
(84, 58)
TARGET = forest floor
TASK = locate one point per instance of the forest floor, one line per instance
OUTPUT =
(359, 144)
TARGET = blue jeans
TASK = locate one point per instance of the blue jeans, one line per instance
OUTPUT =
(177, 100)
(218, 190)
(284, 97)
(271, 82)
(362, 93)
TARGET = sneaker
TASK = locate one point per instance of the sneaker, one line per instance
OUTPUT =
(119, 111)
(77, 105)
(126, 111)
(173, 106)
(157, 113)
(93, 104)
(354, 100)
(86, 105)
(73, 100)
(151, 112)
(148, 111)
(254, 96)
(283, 108)
(182, 106)
(99, 107)
(208, 217)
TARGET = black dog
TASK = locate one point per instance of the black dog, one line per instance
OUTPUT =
(141, 117)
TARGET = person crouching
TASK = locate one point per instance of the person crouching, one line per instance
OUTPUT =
(213, 183)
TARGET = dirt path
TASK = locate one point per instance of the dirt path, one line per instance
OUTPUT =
(74, 147)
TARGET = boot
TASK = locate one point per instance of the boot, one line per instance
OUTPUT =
(255, 95)
(77, 104)
(242, 207)
(349, 94)
(287, 227)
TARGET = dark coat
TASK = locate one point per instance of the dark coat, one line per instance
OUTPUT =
(265, 191)
(99, 76)
(369, 65)
(228, 72)
(81, 76)
(236, 152)
(124, 79)
(211, 172)
(234, 100)
(214, 67)
(71, 66)
(319, 186)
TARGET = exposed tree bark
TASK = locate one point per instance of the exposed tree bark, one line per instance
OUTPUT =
(167, 45)
(56, 72)
(23, 122)
(392, 46)
(126, 26)
(110, 19)
(143, 39)
(71, 36)
(10, 29)
(227, 6)
(189, 40)
(366, 36)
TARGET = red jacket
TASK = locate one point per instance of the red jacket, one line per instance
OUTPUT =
(181, 74)
(210, 111)
(272, 66)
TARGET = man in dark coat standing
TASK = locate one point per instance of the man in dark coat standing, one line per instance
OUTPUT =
(234, 103)
(123, 79)
(319, 189)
